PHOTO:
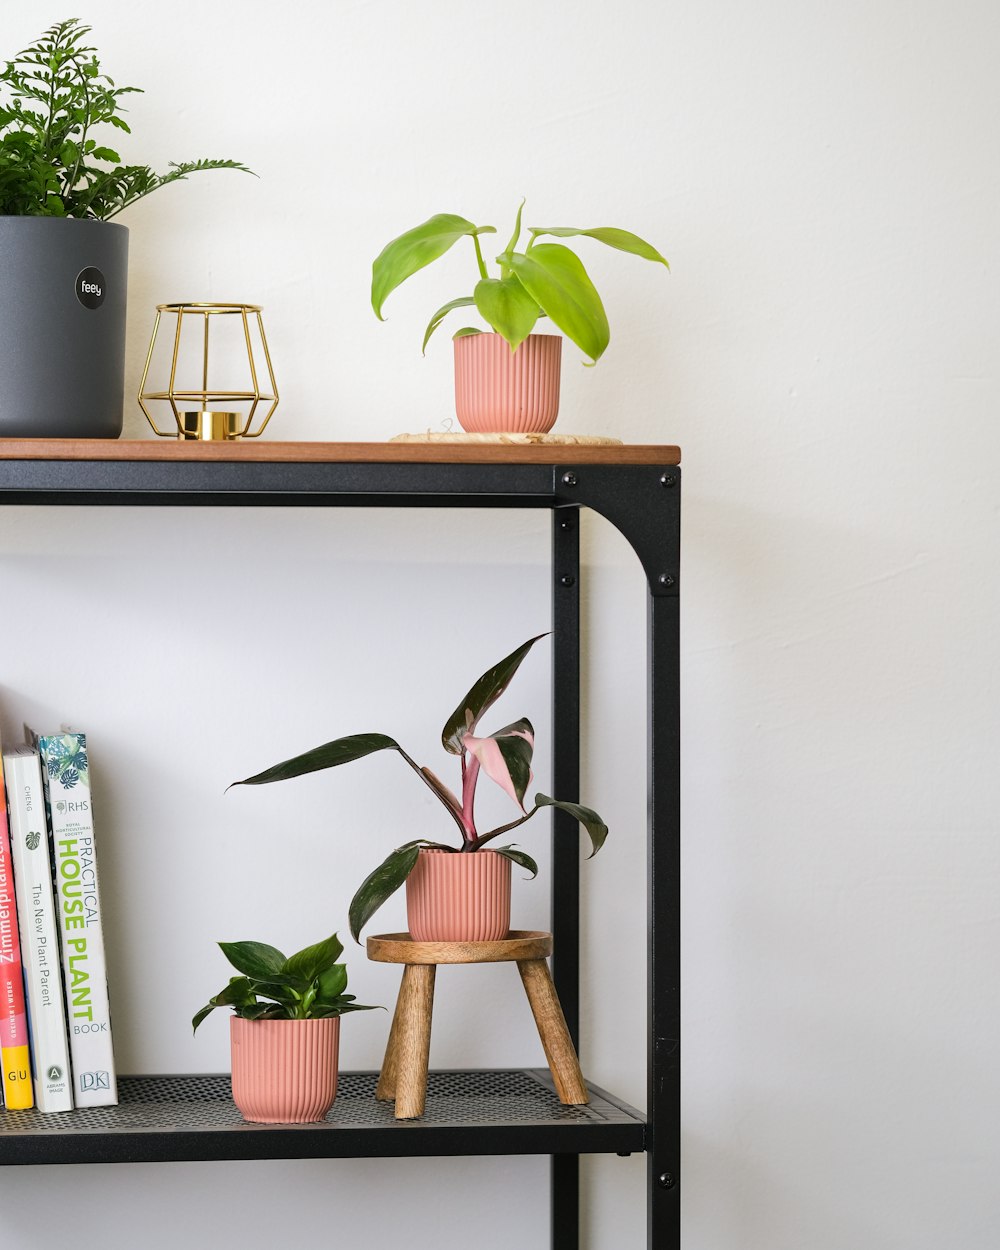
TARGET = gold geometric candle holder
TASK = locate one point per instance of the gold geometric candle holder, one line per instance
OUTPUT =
(212, 411)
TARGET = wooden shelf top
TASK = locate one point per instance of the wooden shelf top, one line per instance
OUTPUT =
(334, 453)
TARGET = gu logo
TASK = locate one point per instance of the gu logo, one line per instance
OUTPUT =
(94, 1080)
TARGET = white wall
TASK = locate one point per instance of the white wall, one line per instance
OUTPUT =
(824, 180)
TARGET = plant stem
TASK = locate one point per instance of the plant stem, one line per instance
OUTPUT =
(479, 257)
(495, 833)
(447, 806)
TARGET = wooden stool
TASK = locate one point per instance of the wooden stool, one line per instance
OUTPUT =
(404, 1070)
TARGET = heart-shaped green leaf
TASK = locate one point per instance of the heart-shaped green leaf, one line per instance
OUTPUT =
(330, 755)
(482, 696)
(506, 306)
(414, 249)
(590, 820)
(307, 964)
(331, 984)
(556, 280)
(623, 240)
(254, 959)
(379, 885)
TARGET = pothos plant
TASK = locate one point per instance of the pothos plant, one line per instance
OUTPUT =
(308, 985)
(53, 97)
(504, 756)
(543, 280)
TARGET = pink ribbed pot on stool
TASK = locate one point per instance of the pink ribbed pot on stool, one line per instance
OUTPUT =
(284, 1071)
(499, 391)
(458, 897)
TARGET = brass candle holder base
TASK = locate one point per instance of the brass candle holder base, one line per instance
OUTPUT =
(205, 424)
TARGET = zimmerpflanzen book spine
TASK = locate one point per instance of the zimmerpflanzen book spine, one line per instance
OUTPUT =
(39, 936)
(66, 774)
(15, 1057)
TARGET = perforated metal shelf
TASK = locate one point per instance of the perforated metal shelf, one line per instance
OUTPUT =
(171, 1118)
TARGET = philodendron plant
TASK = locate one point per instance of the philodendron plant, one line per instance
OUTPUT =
(308, 985)
(504, 756)
(53, 96)
(543, 280)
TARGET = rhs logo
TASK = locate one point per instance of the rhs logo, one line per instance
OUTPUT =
(90, 287)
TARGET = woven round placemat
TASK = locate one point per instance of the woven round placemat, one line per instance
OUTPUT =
(528, 440)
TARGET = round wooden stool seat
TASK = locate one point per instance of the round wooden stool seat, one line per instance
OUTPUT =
(403, 1078)
(400, 948)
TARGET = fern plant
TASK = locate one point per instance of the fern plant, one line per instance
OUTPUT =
(53, 98)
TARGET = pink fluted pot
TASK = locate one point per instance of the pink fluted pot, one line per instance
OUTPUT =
(497, 391)
(456, 897)
(284, 1071)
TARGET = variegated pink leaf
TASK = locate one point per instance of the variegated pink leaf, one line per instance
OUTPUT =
(505, 757)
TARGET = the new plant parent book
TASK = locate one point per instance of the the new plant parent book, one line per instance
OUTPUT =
(36, 915)
(15, 1056)
(66, 773)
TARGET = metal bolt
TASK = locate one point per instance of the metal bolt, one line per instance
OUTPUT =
(567, 581)
(667, 579)
(667, 479)
(566, 523)
(569, 479)
(667, 1180)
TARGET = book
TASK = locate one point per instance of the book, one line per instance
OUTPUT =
(66, 777)
(36, 916)
(15, 1057)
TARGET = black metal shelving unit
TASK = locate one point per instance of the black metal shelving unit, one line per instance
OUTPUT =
(168, 1118)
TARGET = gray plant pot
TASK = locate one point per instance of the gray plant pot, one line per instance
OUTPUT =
(62, 327)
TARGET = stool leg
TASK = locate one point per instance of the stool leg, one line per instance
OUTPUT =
(411, 1051)
(556, 1041)
(385, 1091)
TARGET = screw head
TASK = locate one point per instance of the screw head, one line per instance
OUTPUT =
(569, 479)
(567, 581)
(667, 479)
(667, 1180)
(667, 579)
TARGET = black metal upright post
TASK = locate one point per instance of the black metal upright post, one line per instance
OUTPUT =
(565, 1168)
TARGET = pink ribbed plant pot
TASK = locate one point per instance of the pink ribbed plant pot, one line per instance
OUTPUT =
(456, 897)
(284, 1071)
(497, 391)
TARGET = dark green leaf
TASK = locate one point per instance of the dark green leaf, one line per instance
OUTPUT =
(332, 983)
(255, 959)
(556, 279)
(508, 308)
(379, 885)
(414, 249)
(518, 857)
(623, 240)
(310, 962)
(482, 696)
(590, 820)
(330, 755)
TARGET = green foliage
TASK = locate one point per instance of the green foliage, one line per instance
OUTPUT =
(53, 96)
(545, 280)
(308, 985)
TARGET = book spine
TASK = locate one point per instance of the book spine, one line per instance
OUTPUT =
(15, 1056)
(39, 937)
(66, 775)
